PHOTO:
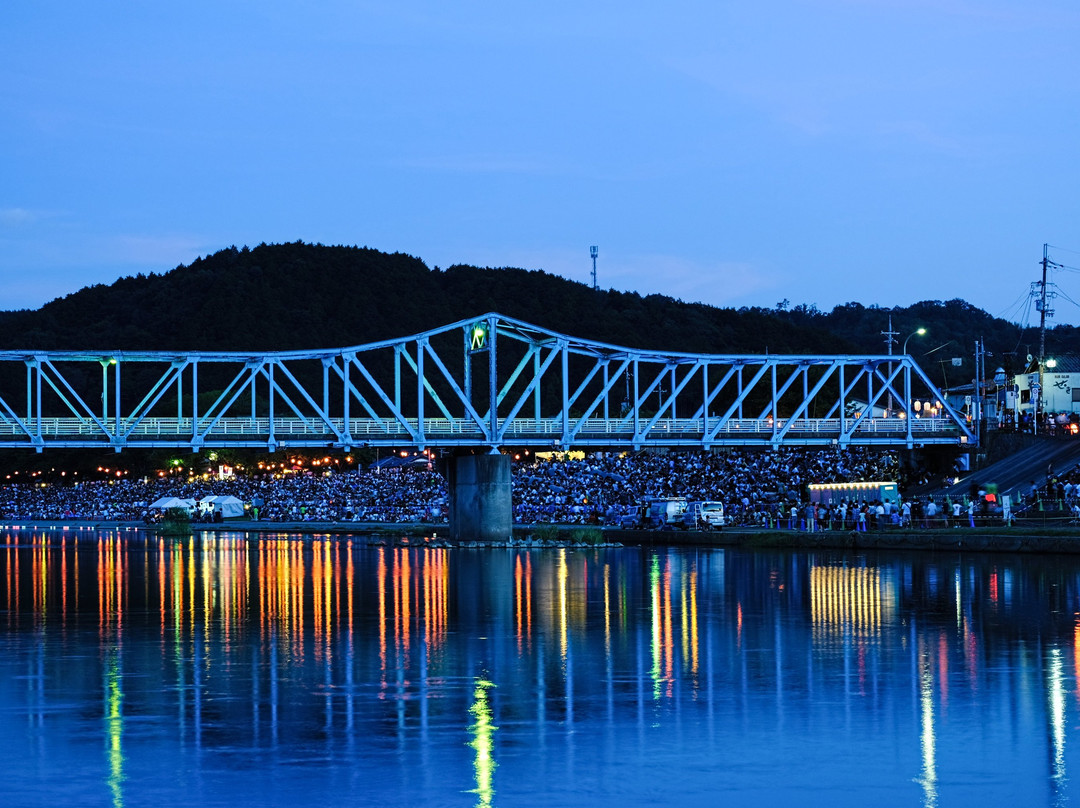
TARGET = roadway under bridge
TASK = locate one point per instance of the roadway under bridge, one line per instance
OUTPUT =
(475, 386)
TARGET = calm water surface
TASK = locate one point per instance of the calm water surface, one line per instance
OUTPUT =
(260, 669)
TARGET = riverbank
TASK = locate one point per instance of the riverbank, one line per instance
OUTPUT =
(993, 540)
(996, 539)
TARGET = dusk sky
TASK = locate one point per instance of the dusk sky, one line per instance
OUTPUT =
(737, 154)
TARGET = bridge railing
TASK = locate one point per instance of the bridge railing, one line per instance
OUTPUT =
(283, 431)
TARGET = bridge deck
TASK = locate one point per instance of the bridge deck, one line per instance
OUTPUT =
(454, 432)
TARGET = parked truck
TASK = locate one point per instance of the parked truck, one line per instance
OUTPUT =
(658, 513)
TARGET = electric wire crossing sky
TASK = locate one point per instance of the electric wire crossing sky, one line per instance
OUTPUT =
(487, 382)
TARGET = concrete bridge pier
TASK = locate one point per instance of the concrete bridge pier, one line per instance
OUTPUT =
(480, 497)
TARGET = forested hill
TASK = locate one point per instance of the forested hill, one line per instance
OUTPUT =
(302, 296)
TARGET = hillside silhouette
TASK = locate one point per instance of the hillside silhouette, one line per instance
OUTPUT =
(303, 296)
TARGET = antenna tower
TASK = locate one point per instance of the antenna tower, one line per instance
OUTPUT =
(594, 251)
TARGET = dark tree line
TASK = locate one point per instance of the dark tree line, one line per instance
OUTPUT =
(304, 296)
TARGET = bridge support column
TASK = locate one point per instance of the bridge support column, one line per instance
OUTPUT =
(480, 499)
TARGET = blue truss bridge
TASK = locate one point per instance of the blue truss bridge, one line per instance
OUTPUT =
(487, 382)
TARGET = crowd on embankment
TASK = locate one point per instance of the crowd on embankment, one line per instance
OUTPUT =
(757, 488)
(607, 489)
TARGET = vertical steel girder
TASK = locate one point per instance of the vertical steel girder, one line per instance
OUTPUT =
(423, 390)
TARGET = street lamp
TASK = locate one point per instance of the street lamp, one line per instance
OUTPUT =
(919, 331)
(999, 404)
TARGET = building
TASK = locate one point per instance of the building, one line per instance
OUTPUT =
(1059, 393)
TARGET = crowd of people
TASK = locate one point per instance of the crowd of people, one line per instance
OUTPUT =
(389, 495)
(608, 489)
(756, 487)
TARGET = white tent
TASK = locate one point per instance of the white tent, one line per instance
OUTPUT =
(230, 507)
(173, 502)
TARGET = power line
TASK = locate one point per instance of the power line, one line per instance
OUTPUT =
(1066, 249)
(1062, 294)
(1022, 303)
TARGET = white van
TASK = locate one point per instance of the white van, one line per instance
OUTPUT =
(708, 515)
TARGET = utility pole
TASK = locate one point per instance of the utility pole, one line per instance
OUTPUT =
(890, 338)
(1044, 312)
(980, 375)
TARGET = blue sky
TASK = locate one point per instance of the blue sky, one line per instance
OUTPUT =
(733, 153)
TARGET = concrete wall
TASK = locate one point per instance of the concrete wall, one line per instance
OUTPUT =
(480, 497)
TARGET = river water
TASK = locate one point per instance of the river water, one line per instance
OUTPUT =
(261, 669)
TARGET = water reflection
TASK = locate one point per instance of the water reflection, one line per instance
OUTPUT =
(1055, 697)
(114, 728)
(588, 677)
(483, 731)
(928, 778)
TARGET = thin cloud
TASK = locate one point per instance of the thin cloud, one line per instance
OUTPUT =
(19, 217)
(482, 164)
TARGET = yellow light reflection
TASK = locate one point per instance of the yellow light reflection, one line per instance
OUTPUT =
(350, 581)
(849, 602)
(1076, 652)
(436, 577)
(13, 578)
(482, 731)
(63, 577)
(607, 612)
(528, 599)
(657, 622)
(668, 640)
(403, 600)
(562, 574)
(111, 582)
(381, 577)
(684, 612)
(518, 594)
(691, 584)
(114, 729)
(322, 573)
(41, 579)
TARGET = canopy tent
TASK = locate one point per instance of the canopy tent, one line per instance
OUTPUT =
(173, 502)
(228, 506)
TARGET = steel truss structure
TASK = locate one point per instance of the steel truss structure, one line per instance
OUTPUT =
(491, 381)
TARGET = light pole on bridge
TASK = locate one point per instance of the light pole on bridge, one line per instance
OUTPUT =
(890, 340)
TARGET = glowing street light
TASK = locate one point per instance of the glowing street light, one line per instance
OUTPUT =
(918, 331)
